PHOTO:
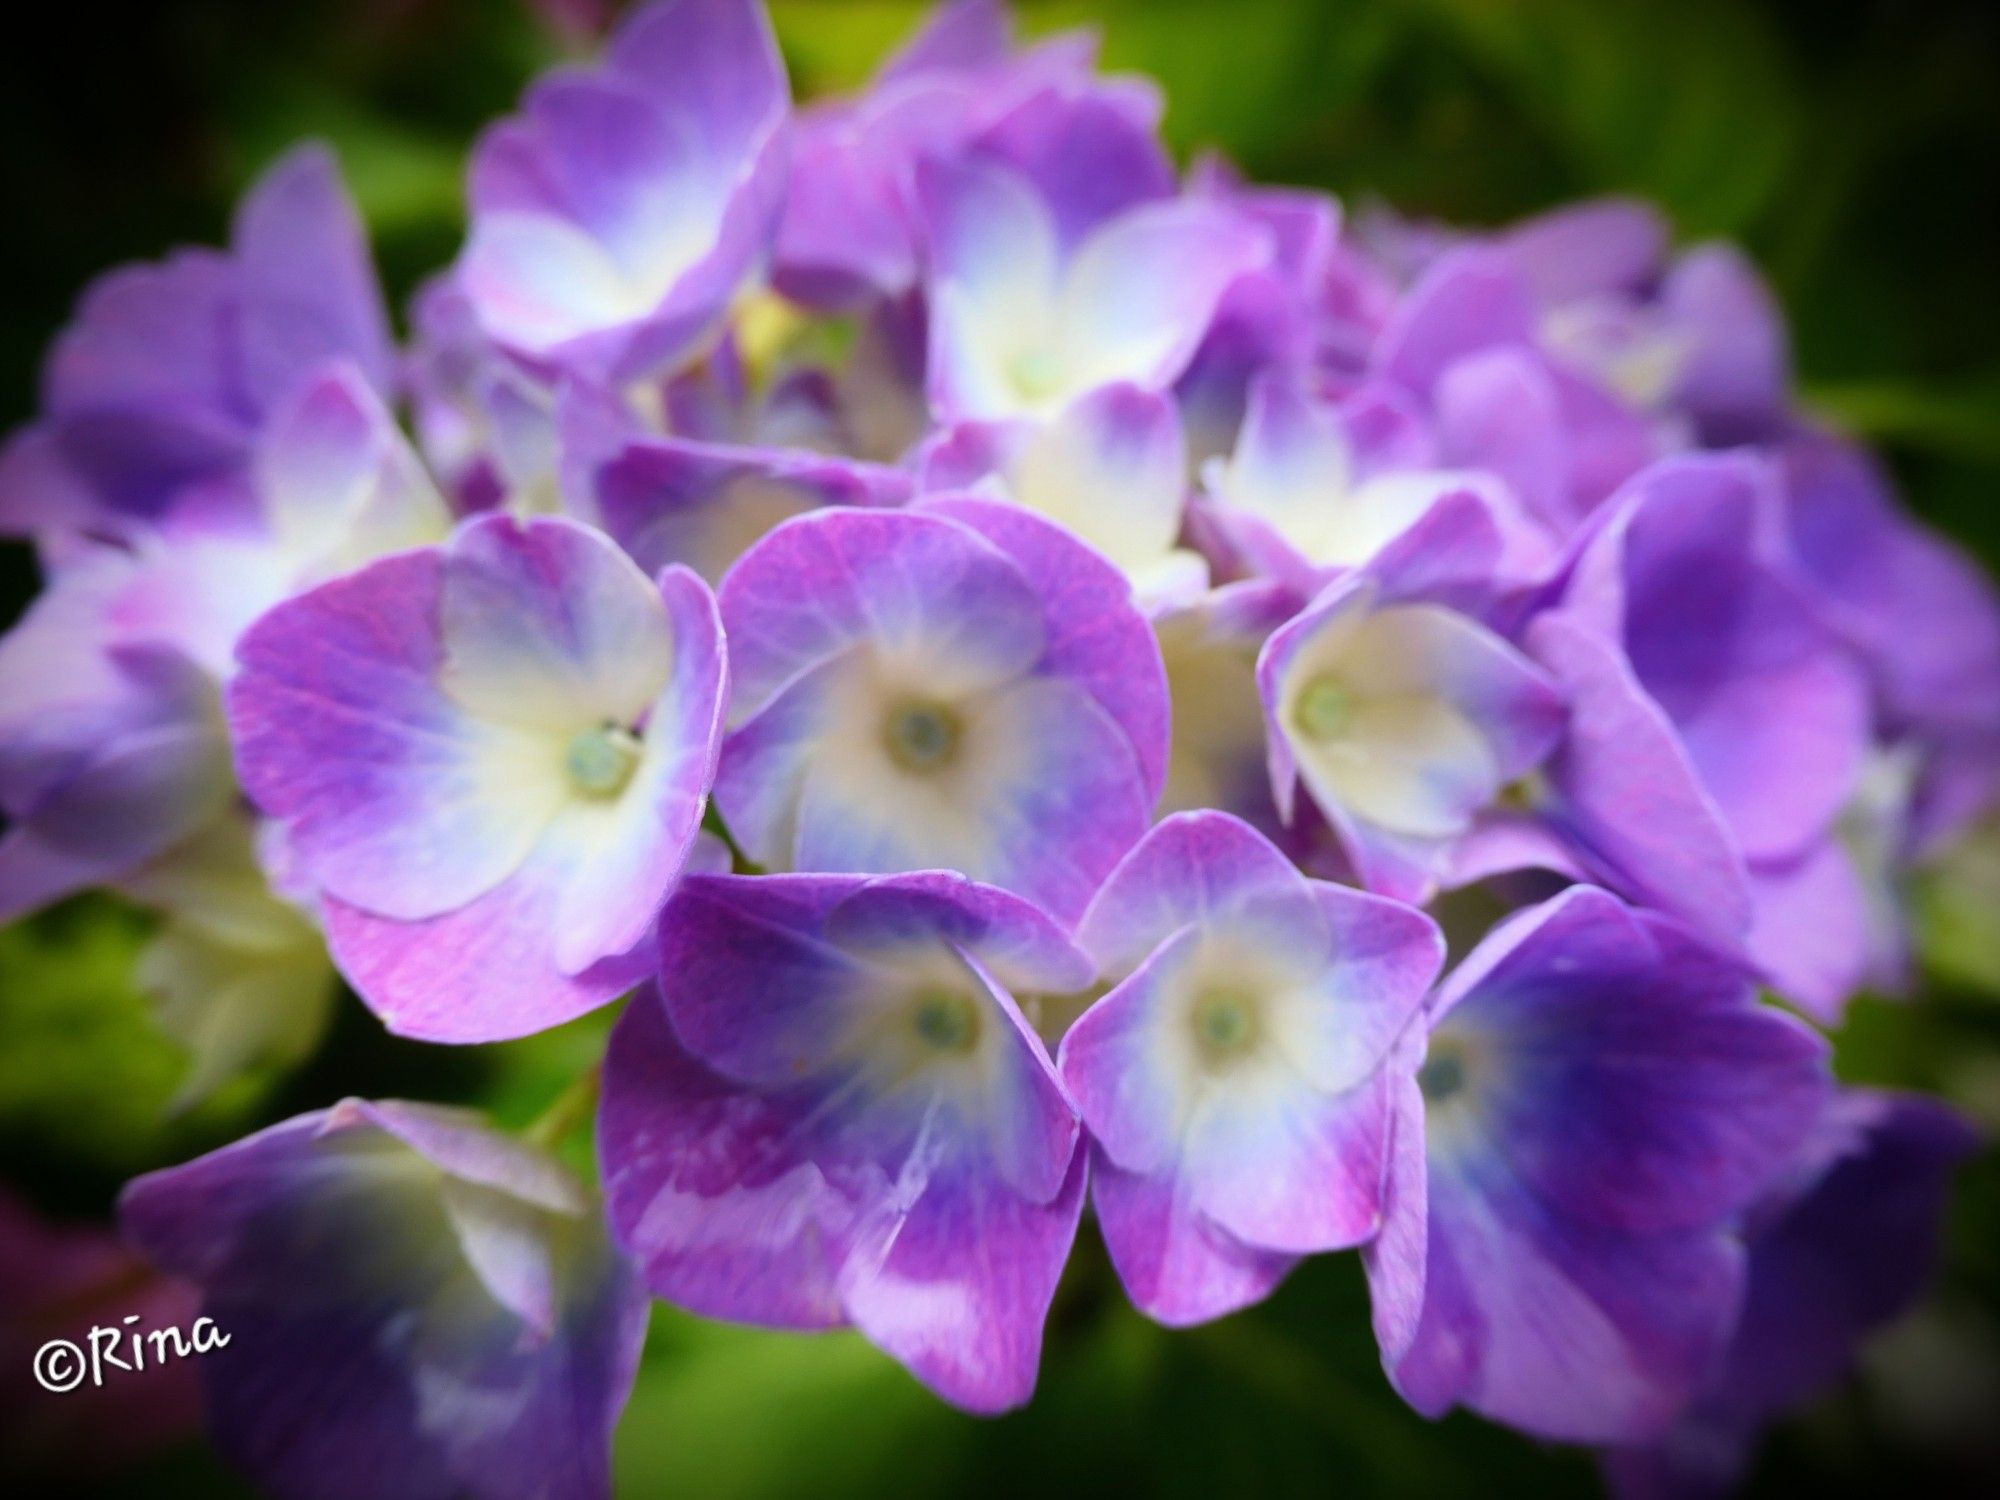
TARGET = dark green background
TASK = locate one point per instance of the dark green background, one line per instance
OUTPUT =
(1854, 148)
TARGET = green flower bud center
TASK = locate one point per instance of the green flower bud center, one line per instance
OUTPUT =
(1324, 708)
(601, 761)
(1444, 1073)
(946, 1020)
(1036, 373)
(921, 736)
(1225, 1025)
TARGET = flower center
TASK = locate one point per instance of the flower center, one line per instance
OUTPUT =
(1225, 1025)
(600, 761)
(946, 1020)
(921, 736)
(1324, 708)
(1444, 1073)
(1037, 373)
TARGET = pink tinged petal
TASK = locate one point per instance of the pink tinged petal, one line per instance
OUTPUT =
(396, 798)
(483, 971)
(919, 587)
(1627, 796)
(708, 1187)
(539, 281)
(548, 628)
(832, 1189)
(309, 290)
(1177, 1265)
(970, 1327)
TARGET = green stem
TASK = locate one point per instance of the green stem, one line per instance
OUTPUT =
(569, 1111)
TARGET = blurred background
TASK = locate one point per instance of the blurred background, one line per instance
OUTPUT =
(1853, 146)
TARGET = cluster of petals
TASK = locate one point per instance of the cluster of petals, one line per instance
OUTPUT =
(1015, 662)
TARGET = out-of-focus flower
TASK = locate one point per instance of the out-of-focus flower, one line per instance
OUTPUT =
(152, 400)
(1601, 1096)
(1842, 1245)
(490, 758)
(1026, 318)
(938, 688)
(1111, 469)
(414, 1306)
(1771, 708)
(834, 1113)
(615, 218)
(1315, 488)
(239, 975)
(1237, 1079)
(853, 228)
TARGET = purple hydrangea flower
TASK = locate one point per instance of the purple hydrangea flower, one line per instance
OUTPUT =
(1770, 706)
(1111, 468)
(1404, 716)
(1696, 336)
(414, 1306)
(1314, 488)
(1841, 1246)
(1024, 319)
(1466, 341)
(154, 396)
(704, 504)
(1920, 614)
(834, 1113)
(112, 743)
(1237, 1079)
(613, 220)
(491, 758)
(852, 229)
(1601, 1096)
(938, 688)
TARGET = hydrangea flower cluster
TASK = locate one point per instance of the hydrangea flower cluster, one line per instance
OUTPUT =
(1046, 684)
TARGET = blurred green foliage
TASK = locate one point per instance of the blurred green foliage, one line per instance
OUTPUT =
(1851, 145)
